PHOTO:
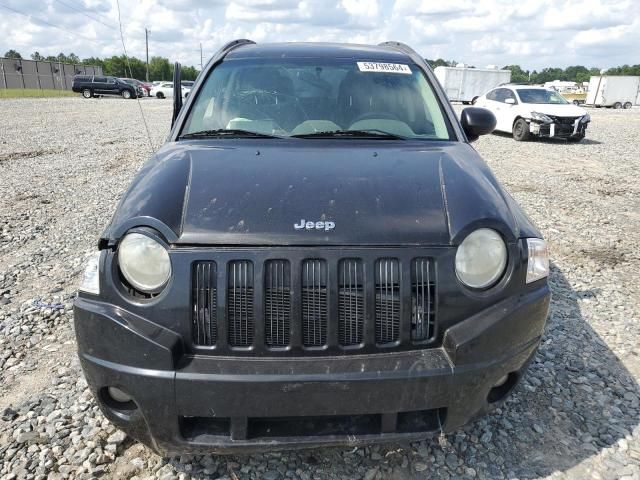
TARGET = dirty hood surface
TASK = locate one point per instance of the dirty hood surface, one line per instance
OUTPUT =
(238, 193)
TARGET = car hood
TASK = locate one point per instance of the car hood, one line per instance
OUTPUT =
(568, 110)
(377, 193)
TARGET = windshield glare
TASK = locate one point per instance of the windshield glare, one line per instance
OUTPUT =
(538, 95)
(287, 97)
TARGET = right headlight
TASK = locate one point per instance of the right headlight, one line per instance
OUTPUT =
(541, 117)
(538, 259)
(144, 262)
(481, 258)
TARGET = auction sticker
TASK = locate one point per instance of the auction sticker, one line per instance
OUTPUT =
(384, 67)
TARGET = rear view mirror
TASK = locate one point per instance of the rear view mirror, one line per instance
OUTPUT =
(177, 92)
(510, 101)
(477, 121)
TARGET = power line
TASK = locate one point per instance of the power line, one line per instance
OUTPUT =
(126, 57)
(86, 14)
(93, 12)
(32, 17)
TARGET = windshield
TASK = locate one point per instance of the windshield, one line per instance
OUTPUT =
(538, 95)
(297, 97)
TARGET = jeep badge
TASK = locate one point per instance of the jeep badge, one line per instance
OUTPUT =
(304, 225)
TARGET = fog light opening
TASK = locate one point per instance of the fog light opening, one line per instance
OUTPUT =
(118, 400)
(118, 395)
(502, 387)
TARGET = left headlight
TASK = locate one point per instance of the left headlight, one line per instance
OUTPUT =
(144, 262)
(481, 258)
(586, 118)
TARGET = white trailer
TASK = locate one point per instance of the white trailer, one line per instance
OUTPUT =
(613, 91)
(464, 84)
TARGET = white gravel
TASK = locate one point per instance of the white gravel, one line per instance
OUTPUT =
(65, 161)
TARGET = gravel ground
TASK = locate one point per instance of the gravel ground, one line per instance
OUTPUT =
(64, 163)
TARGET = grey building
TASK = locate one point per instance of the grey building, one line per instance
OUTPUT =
(21, 73)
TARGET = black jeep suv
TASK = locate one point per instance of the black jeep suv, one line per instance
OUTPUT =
(317, 255)
(91, 86)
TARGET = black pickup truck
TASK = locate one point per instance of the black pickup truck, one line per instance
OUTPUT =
(316, 256)
(91, 86)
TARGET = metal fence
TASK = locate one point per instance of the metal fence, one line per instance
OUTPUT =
(33, 74)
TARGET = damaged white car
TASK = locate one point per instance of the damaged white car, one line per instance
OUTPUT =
(527, 111)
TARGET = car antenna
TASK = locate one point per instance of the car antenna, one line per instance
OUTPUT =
(126, 58)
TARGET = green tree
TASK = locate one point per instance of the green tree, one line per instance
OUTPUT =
(36, 56)
(549, 75)
(160, 69)
(439, 62)
(93, 61)
(518, 75)
(12, 54)
(189, 73)
(625, 70)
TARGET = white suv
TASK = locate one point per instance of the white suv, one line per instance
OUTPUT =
(524, 110)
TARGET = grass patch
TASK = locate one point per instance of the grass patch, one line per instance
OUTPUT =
(34, 92)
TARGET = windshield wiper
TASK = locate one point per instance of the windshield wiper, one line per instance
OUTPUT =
(368, 133)
(227, 132)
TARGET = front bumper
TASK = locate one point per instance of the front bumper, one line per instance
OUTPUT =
(201, 403)
(576, 129)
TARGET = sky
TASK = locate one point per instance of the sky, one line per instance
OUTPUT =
(532, 33)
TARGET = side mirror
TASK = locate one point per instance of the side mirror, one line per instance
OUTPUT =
(477, 121)
(510, 101)
(177, 91)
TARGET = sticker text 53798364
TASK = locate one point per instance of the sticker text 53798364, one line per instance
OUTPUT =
(384, 67)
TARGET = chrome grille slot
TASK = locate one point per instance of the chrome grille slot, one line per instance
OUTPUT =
(240, 303)
(314, 303)
(277, 303)
(204, 316)
(387, 284)
(422, 299)
(351, 302)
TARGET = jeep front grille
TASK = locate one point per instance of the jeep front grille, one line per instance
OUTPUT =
(387, 272)
(277, 303)
(204, 318)
(422, 298)
(351, 302)
(314, 303)
(358, 303)
(240, 303)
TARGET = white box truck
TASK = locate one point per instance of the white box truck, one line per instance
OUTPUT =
(463, 84)
(613, 91)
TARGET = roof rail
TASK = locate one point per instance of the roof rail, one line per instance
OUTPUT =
(236, 43)
(227, 47)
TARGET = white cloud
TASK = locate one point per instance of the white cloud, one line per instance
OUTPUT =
(535, 34)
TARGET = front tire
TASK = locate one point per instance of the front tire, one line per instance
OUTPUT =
(126, 94)
(160, 95)
(521, 130)
(87, 93)
(627, 105)
(576, 102)
(617, 105)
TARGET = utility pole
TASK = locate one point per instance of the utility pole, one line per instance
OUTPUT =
(200, 56)
(146, 40)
